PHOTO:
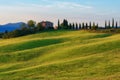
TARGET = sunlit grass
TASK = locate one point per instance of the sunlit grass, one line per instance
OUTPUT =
(61, 55)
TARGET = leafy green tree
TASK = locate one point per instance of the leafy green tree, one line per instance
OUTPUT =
(23, 25)
(1, 35)
(39, 27)
(31, 24)
(12, 34)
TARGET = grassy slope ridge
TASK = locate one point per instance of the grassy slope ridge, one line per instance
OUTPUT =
(61, 55)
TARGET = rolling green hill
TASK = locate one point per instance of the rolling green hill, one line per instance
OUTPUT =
(61, 55)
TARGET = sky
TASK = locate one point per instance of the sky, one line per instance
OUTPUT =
(74, 10)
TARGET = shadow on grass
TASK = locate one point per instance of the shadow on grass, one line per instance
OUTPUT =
(4, 58)
(102, 35)
(29, 45)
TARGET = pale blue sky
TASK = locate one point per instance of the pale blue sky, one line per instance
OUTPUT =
(73, 10)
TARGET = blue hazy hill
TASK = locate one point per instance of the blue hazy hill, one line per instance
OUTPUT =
(10, 27)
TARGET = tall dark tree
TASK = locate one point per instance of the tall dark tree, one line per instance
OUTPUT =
(58, 24)
(94, 26)
(79, 25)
(83, 25)
(65, 24)
(109, 26)
(119, 24)
(73, 26)
(113, 23)
(116, 25)
(86, 26)
(97, 26)
(70, 26)
(106, 24)
(76, 26)
(90, 25)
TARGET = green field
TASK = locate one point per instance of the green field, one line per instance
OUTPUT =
(61, 55)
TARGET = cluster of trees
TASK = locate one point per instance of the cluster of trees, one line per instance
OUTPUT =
(29, 28)
(33, 27)
(76, 26)
(109, 25)
(91, 26)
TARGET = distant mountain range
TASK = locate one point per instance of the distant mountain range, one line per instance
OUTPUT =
(10, 27)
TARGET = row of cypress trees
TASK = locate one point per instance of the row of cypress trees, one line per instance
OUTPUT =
(66, 25)
(77, 26)
(109, 25)
(32, 27)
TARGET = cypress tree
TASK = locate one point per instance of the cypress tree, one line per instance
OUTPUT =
(113, 23)
(70, 26)
(119, 24)
(73, 26)
(90, 25)
(83, 26)
(79, 25)
(97, 26)
(109, 26)
(76, 26)
(105, 24)
(86, 26)
(94, 26)
(116, 25)
(65, 24)
(58, 24)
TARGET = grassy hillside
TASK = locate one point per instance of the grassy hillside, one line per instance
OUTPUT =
(61, 55)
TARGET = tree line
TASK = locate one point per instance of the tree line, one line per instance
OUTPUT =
(32, 27)
(91, 25)
(109, 25)
(76, 26)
